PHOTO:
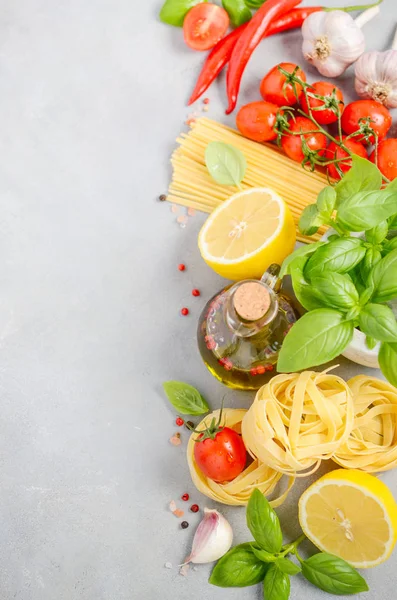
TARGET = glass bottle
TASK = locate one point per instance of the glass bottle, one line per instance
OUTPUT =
(242, 328)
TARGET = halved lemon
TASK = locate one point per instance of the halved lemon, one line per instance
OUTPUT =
(351, 514)
(247, 233)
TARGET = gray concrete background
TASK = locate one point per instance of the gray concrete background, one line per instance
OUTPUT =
(92, 96)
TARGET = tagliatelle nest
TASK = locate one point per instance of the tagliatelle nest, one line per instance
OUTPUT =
(297, 420)
(238, 491)
(372, 444)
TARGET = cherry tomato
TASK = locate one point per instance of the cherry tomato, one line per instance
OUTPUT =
(204, 25)
(272, 86)
(366, 109)
(222, 458)
(326, 115)
(387, 158)
(292, 144)
(256, 121)
(334, 151)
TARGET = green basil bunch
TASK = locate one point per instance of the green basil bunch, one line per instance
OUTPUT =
(346, 282)
(266, 560)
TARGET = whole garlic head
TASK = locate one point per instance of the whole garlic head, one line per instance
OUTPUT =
(376, 77)
(332, 41)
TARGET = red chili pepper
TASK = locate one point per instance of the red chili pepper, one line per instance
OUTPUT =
(249, 40)
(221, 53)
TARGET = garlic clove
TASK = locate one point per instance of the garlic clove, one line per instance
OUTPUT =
(213, 538)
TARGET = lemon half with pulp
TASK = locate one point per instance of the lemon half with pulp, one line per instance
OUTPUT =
(351, 514)
(247, 233)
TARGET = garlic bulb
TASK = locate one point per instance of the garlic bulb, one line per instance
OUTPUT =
(333, 40)
(376, 77)
(213, 538)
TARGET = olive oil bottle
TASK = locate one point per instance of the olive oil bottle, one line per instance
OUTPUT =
(242, 328)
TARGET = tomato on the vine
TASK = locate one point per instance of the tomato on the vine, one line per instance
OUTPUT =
(387, 158)
(292, 144)
(324, 111)
(256, 121)
(336, 152)
(370, 112)
(220, 453)
(274, 87)
(204, 25)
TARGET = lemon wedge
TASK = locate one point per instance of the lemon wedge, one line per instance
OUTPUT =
(351, 514)
(247, 233)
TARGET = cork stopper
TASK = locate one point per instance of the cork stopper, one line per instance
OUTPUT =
(251, 301)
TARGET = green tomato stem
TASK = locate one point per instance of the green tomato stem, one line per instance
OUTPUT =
(353, 8)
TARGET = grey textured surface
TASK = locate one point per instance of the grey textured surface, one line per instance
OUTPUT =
(93, 94)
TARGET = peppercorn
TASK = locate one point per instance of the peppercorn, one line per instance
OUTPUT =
(181, 267)
(184, 524)
(195, 292)
(179, 421)
(162, 198)
(184, 312)
(194, 508)
(189, 425)
(185, 497)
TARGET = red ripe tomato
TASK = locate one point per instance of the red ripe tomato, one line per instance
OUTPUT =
(272, 86)
(292, 144)
(387, 158)
(256, 121)
(204, 25)
(220, 456)
(366, 109)
(334, 151)
(325, 116)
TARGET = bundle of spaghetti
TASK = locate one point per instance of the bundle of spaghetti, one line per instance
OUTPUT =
(238, 491)
(297, 420)
(372, 444)
(192, 186)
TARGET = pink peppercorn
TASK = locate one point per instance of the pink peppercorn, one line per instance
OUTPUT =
(184, 312)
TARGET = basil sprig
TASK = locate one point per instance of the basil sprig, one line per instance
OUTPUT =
(346, 281)
(225, 163)
(254, 562)
(185, 398)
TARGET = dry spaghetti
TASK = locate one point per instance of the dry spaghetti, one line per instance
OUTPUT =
(298, 420)
(192, 186)
(238, 491)
(372, 444)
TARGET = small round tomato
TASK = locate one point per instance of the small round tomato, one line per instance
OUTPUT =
(387, 158)
(204, 25)
(256, 121)
(334, 151)
(324, 111)
(366, 111)
(220, 455)
(274, 87)
(292, 144)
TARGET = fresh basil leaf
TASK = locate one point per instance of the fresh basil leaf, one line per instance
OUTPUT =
(378, 321)
(376, 235)
(388, 362)
(389, 245)
(304, 250)
(337, 290)
(366, 210)
(340, 256)
(333, 575)
(371, 258)
(267, 557)
(310, 220)
(318, 337)
(304, 292)
(185, 398)
(276, 585)
(363, 176)
(225, 163)
(393, 222)
(173, 12)
(326, 201)
(238, 568)
(238, 11)
(287, 566)
(370, 342)
(383, 278)
(263, 523)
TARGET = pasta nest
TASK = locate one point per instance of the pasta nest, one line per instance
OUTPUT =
(298, 420)
(255, 475)
(372, 444)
